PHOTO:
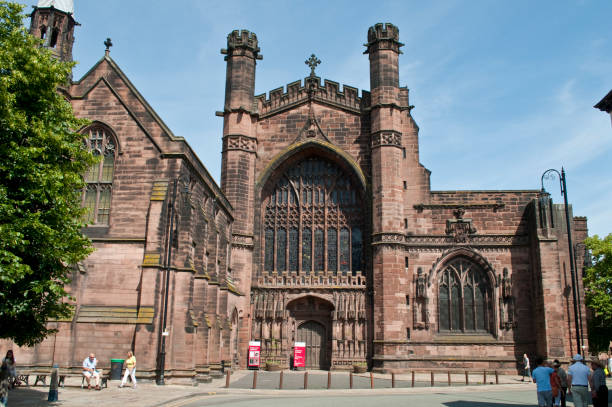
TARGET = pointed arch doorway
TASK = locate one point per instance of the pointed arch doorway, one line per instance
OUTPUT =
(310, 319)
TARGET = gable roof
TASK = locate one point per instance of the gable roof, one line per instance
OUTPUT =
(605, 104)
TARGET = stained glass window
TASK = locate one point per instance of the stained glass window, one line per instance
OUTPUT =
(99, 177)
(464, 295)
(318, 198)
(269, 260)
(306, 250)
(344, 250)
(293, 249)
(318, 252)
(281, 247)
(356, 249)
(332, 250)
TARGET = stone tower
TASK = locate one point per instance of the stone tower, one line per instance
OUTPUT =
(239, 154)
(53, 22)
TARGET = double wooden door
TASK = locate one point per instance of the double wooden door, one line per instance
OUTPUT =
(314, 335)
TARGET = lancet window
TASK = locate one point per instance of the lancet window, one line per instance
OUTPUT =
(313, 221)
(99, 178)
(464, 298)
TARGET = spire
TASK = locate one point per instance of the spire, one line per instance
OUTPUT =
(67, 6)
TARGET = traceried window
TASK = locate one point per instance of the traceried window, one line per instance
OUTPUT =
(464, 298)
(99, 178)
(313, 221)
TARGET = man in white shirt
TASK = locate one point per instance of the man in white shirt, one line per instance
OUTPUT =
(90, 372)
(579, 375)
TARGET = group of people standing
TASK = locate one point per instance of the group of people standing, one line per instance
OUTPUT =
(553, 383)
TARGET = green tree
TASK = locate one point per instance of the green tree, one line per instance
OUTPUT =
(42, 159)
(598, 292)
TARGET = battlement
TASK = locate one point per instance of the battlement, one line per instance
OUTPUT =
(242, 39)
(330, 93)
(386, 35)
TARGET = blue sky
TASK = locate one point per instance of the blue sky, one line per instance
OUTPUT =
(503, 90)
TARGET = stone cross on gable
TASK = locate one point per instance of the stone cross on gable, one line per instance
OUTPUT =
(312, 62)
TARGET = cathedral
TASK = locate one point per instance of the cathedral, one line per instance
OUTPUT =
(323, 230)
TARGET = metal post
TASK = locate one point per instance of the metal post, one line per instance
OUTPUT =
(467, 380)
(393, 380)
(53, 385)
(571, 259)
(496, 377)
(432, 378)
(413, 378)
(280, 381)
(305, 380)
(449, 378)
(254, 379)
(350, 380)
(577, 316)
(484, 377)
(162, 355)
(328, 379)
(227, 378)
(371, 380)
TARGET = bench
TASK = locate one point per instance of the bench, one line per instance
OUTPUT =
(23, 376)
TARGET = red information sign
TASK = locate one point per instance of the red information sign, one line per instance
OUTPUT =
(254, 351)
(299, 354)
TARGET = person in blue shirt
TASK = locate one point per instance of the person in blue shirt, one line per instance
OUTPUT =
(541, 377)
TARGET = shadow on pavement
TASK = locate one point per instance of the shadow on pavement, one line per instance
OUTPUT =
(461, 403)
(27, 396)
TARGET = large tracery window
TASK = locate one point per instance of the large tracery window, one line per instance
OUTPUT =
(313, 221)
(464, 298)
(99, 178)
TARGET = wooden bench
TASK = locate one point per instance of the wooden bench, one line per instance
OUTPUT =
(23, 376)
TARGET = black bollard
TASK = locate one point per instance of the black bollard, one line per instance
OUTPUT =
(54, 383)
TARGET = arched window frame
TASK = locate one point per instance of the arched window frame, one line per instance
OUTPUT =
(465, 315)
(99, 178)
(314, 195)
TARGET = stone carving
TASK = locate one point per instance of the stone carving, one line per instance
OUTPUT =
(506, 301)
(239, 142)
(459, 228)
(386, 138)
(420, 315)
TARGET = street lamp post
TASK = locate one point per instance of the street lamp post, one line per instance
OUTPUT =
(561, 175)
(164, 333)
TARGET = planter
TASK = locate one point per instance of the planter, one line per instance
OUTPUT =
(360, 368)
(273, 367)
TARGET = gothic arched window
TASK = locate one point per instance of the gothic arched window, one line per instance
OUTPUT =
(313, 221)
(464, 298)
(99, 178)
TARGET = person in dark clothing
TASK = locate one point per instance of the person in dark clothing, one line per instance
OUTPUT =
(599, 390)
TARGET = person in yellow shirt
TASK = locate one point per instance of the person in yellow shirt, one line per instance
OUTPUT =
(130, 369)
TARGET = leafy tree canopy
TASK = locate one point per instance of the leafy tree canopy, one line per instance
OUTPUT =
(42, 159)
(598, 292)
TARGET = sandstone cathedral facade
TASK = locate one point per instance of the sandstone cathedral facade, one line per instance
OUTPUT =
(324, 229)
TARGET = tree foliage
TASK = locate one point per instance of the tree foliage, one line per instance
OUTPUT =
(42, 159)
(598, 292)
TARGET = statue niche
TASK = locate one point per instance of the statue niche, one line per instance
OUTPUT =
(506, 301)
(420, 313)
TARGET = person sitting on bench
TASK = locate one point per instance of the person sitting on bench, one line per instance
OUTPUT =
(90, 372)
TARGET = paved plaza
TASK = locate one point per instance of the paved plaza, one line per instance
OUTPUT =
(511, 392)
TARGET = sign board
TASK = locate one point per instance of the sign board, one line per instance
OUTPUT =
(254, 352)
(299, 354)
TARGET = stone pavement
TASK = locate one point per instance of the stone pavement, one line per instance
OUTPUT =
(149, 394)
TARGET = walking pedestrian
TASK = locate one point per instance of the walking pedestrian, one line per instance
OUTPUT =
(563, 379)
(578, 377)
(541, 377)
(130, 370)
(526, 368)
(599, 390)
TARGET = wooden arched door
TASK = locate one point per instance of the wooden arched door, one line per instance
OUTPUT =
(314, 335)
